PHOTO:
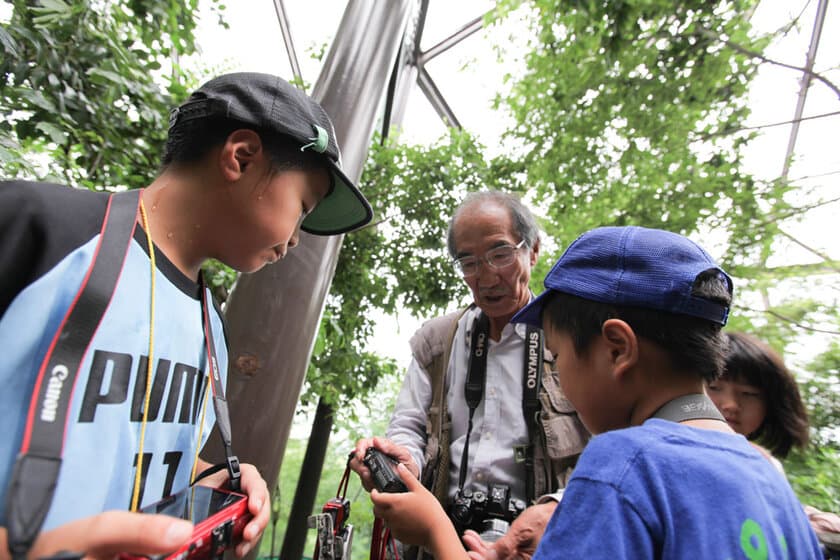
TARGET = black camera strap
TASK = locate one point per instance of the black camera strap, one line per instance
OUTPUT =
(219, 401)
(697, 406)
(531, 400)
(474, 390)
(37, 466)
(474, 385)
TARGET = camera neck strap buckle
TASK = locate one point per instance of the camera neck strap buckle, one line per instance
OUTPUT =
(696, 406)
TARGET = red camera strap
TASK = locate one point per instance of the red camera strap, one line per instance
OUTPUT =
(380, 540)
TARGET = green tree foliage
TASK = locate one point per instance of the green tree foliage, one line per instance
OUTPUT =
(624, 111)
(815, 473)
(87, 87)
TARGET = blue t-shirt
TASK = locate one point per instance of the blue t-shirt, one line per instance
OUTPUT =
(667, 490)
(49, 234)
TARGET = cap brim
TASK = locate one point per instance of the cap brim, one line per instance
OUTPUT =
(343, 210)
(531, 314)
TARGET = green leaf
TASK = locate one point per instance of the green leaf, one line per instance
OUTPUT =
(55, 133)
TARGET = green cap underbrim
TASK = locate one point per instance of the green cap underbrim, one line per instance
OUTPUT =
(344, 209)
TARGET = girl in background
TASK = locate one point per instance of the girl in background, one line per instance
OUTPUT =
(760, 398)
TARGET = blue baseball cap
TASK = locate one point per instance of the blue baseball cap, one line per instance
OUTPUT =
(632, 266)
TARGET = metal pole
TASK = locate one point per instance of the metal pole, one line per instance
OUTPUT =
(286, 30)
(404, 75)
(805, 83)
(294, 541)
(273, 315)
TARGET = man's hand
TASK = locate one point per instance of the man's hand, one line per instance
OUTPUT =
(520, 542)
(259, 502)
(103, 536)
(386, 446)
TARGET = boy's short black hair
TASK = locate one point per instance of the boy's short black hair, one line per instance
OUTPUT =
(190, 141)
(693, 345)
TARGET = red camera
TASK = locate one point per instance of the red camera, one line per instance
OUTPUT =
(219, 517)
(339, 509)
(334, 534)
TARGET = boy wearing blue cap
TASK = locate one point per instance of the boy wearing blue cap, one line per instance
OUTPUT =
(633, 317)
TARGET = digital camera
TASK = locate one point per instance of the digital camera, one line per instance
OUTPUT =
(489, 514)
(383, 470)
(335, 535)
(219, 516)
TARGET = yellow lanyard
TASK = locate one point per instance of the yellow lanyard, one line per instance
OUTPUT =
(135, 494)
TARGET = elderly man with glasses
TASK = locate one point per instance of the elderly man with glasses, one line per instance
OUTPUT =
(474, 420)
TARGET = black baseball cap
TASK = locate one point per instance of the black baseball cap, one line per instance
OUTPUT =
(269, 102)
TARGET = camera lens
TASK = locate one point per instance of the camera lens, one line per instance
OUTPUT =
(493, 529)
(461, 510)
(461, 514)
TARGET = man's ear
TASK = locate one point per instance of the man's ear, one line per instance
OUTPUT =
(622, 345)
(240, 149)
(535, 251)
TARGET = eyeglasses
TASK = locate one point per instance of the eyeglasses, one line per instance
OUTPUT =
(497, 257)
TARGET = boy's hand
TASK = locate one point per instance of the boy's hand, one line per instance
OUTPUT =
(259, 501)
(521, 540)
(412, 516)
(105, 535)
(386, 446)
(259, 504)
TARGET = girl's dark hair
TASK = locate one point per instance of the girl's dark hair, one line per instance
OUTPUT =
(190, 141)
(751, 361)
(693, 345)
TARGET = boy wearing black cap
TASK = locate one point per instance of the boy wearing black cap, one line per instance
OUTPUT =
(249, 161)
(634, 317)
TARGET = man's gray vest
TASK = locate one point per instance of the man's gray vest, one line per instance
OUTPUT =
(560, 438)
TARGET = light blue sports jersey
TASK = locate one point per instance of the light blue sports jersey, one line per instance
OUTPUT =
(103, 430)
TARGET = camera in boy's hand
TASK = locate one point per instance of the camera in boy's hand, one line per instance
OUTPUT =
(383, 470)
(489, 514)
(219, 517)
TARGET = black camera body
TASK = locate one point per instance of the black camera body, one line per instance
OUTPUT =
(489, 514)
(383, 470)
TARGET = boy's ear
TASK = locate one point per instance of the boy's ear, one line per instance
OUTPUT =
(622, 345)
(240, 149)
